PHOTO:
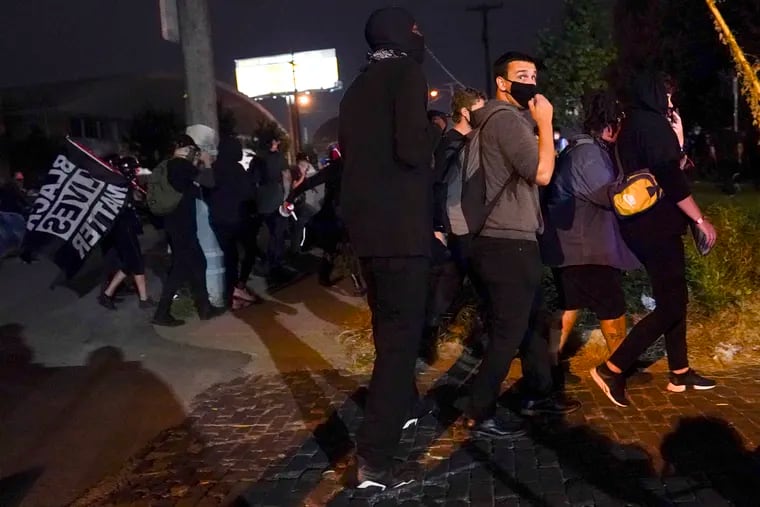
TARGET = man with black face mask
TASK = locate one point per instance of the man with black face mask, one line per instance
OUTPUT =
(387, 206)
(505, 253)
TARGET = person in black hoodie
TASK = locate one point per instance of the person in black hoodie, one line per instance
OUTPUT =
(188, 262)
(386, 203)
(649, 140)
(227, 200)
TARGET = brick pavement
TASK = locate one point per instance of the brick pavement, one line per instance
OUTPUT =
(286, 441)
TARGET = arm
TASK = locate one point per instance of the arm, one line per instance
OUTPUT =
(311, 182)
(542, 111)
(691, 209)
(414, 137)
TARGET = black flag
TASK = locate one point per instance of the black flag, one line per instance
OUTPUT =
(78, 204)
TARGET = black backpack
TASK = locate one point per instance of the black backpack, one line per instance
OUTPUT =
(475, 207)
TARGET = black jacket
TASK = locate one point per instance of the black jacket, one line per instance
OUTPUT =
(387, 145)
(647, 140)
(233, 187)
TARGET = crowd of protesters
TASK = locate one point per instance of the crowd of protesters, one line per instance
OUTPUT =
(391, 198)
(546, 203)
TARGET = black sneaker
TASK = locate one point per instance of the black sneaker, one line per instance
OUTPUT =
(421, 408)
(552, 405)
(146, 304)
(381, 479)
(211, 312)
(611, 383)
(496, 428)
(680, 382)
(167, 321)
(106, 301)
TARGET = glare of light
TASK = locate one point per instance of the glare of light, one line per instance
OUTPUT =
(433, 94)
(304, 100)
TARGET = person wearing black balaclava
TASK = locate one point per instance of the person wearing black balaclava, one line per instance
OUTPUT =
(386, 203)
(648, 140)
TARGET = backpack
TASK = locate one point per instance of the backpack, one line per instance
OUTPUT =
(475, 209)
(634, 193)
(162, 197)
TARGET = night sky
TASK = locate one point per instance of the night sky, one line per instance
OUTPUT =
(50, 40)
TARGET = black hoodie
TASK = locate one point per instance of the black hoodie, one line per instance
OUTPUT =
(647, 141)
(387, 145)
(232, 188)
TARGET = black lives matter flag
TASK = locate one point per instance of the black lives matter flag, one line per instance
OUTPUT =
(77, 206)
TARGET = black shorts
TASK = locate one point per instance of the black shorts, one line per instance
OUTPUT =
(598, 288)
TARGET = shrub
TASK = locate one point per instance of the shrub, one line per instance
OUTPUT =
(731, 271)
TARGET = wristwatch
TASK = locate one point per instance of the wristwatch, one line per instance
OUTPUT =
(699, 220)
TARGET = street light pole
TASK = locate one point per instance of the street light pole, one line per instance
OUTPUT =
(484, 9)
(195, 35)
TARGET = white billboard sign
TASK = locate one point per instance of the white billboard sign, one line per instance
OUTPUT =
(288, 73)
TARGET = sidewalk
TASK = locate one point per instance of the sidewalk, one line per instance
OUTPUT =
(285, 440)
(82, 388)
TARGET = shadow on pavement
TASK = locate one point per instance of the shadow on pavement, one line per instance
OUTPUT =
(712, 453)
(64, 428)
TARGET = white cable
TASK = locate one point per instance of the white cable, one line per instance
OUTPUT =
(448, 73)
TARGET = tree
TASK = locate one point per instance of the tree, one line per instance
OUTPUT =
(576, 58)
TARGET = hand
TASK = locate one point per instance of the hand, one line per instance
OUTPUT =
(677, 126)
(541, 110)
(440, 237)
(709, 231)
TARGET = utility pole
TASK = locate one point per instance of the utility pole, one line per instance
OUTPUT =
(195, 36)
(484, 9)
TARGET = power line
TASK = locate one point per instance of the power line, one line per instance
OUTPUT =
(443, 67)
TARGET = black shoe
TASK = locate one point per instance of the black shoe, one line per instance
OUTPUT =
(496, 428)
(211, 312)
(611, 383)
(552, 405)
(390, 478)
(106, 301)
(679, 382)
(421, 408)
(166, 321)
(146, 304)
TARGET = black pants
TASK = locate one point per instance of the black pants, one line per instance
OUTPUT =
(665, 264)
(249, 238)
(188, 267)
(396, 291)
(277, 226)
(511, 274)
(228, 236)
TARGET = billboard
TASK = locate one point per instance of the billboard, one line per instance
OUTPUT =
(287, 73)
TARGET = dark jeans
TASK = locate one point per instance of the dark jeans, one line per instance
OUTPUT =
(228, 236)
(396, 292)
(249, 238)
(665, 264)
(188, 267)
(511, 274)
(277, 226)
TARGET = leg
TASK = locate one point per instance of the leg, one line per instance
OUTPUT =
(569, 318)
(249, 239)
(117, 279)
(142, 289)
(511, 272)
(613, 331)
(665, 264)
(397, 293)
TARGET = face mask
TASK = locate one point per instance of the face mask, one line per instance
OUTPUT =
(523, 92)
(417, 51)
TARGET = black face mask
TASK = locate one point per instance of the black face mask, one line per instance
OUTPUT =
(417, 49)
(523, 92)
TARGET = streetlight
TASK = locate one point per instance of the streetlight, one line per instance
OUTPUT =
(304, 100)
(434, 94)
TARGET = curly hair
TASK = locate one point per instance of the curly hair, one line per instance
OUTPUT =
(464, 98)
(601, 109)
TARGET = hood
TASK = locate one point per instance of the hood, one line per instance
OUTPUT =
(391, 28)
(479, 116)
(230, 150)
(647, 92)
(205, 137)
